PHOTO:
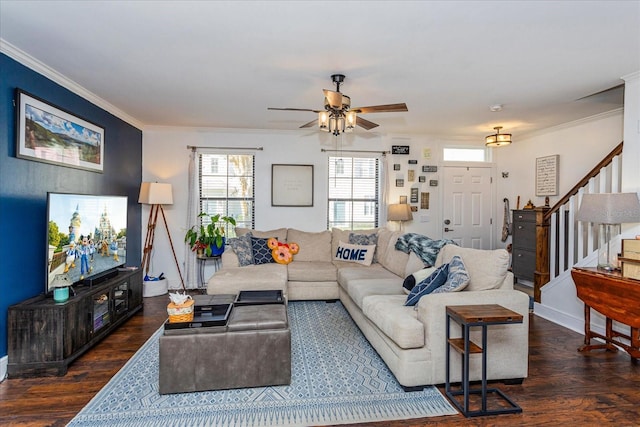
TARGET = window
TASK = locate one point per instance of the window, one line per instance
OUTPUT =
(464, 154)
(226, 187)
(354, 189)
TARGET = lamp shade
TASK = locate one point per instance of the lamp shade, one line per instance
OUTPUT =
(609, 208)
(155, 193)
(399, 212)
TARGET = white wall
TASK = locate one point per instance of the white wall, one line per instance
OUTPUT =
(166, 157)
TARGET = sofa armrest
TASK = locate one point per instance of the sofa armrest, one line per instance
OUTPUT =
(508, 349)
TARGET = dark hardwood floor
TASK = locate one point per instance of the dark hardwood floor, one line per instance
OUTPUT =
(564, 387)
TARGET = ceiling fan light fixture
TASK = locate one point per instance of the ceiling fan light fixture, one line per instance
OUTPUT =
(323, 121)
(350, 121)
(497, 139)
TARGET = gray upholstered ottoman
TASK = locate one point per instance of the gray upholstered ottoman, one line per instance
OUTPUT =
(252, 350)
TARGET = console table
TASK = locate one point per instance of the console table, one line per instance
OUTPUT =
(617, 298)
(467, 316)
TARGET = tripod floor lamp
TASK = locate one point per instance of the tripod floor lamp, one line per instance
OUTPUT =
(156, 194)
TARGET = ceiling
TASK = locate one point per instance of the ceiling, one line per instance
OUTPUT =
(221, 64)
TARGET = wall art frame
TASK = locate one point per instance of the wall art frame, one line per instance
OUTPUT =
(547, 175)
(47, 133)
(291, 185)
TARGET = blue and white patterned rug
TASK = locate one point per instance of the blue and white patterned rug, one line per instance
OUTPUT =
(337, 378)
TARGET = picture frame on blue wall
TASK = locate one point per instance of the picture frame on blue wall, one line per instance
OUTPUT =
(47, 133)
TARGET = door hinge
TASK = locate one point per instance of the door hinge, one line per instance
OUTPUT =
(490, 221)
(491, 180)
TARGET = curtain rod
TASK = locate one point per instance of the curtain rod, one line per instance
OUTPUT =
(193, 148)
(324, 150)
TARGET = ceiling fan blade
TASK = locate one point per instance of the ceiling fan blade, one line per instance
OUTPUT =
(388, 108)
(334, 99)
(364, 123)
(293, 109)
(310, 124)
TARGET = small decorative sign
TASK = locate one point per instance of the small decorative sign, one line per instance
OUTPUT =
(413, 162)
(396, 166)
(433, 183)
(399, 149)
(399, 182)
(411, 175)
(422, 178)
(424, 200)
(414, 195)
(429, 168)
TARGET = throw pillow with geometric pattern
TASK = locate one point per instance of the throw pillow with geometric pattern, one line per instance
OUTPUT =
(243, 248)
(457, 279)
(261, 251)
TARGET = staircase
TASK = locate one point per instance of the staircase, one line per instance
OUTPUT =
(561, 240)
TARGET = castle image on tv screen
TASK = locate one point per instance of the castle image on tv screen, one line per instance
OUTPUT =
(87, 235)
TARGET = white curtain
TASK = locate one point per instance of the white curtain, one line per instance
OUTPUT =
(384, 194)
(189, 262)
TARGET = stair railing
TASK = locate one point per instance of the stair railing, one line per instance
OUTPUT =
(561, 241)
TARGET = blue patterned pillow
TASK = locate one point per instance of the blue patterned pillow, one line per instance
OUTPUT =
(243, 248)
(261, 252)
(365, 240)
(428, 285)
(457, 279)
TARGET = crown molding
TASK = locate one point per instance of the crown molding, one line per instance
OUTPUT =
(53, 75)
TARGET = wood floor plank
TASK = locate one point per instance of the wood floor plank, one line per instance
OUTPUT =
(564, 387)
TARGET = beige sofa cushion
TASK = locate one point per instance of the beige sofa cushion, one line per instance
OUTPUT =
(252, 277)
(487, 268)
(349, 271)
(279, 233)
(359, 289)
(393, 260)
(398, 322)
(316, 271)
(313, 246)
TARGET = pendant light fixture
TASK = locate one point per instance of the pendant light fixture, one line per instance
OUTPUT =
(498, 139)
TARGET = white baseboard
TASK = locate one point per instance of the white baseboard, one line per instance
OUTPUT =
(4, 361)
(559, 318)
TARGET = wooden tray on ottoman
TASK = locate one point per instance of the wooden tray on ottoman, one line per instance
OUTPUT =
(204, 316)
(259, 297)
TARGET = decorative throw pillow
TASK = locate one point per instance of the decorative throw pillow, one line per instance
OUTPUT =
(457, 279)
(282, 253)
(428, 285)
(261, 251)
(361, 254)
(365, 239)
(243, 248)
(411, 280)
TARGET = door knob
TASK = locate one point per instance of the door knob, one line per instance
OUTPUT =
(447, 222)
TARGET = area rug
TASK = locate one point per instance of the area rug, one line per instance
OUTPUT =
(337, 378)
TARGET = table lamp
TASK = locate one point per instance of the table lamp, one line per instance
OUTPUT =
(608, 210)
(399, 212)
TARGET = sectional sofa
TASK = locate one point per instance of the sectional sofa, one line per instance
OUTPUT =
(410, 339)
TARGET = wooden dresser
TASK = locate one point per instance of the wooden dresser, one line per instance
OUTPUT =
(524, 244)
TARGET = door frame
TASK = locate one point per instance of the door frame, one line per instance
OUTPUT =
(492, 195)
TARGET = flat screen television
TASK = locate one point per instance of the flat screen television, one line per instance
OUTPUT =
(86, 238)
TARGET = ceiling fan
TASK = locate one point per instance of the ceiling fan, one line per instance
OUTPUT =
(338, 116)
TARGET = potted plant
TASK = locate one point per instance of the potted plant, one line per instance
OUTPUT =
(209, 238)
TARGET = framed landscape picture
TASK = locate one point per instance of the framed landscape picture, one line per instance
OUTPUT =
(46, 133)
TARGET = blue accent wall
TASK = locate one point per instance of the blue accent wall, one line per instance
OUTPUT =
(24, 185)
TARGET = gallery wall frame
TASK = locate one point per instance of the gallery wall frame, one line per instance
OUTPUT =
(47, 133)
(291, 185)
(547, 175)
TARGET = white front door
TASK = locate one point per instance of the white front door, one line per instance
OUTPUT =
(467, 206)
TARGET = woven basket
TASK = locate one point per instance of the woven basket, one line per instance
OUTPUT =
(180, 312)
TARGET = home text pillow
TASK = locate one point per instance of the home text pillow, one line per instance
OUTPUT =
(243, 248)
(428, 285)
(364, 239)
(261, 251)
(413, 279)
(361, 254)
(457, 279)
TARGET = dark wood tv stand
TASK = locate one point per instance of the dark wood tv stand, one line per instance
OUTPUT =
(44, 337)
